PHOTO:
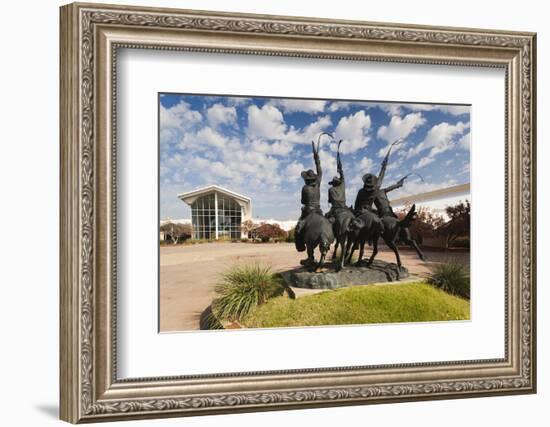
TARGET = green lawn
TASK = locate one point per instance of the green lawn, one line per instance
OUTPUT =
(413, 302)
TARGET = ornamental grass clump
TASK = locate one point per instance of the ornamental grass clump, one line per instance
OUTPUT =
(451, 277)
(243, 288)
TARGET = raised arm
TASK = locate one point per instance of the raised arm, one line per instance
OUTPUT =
(395, 186)
(317, 162)
(385, 162)
(339, 163)
(383, 167)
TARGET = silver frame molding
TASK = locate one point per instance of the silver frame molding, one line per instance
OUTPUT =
(90, 37)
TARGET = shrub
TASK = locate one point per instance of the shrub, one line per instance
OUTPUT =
(450, 276)
(243, 288)
(461, 242)
(267, 232)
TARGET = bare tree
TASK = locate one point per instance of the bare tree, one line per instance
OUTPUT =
(247, 227)
(176, 231)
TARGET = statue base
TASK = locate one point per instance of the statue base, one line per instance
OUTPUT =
(377, 272)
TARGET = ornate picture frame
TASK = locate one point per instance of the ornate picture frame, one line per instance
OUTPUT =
(90, 37)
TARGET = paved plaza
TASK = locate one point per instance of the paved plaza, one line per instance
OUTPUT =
(189, 273)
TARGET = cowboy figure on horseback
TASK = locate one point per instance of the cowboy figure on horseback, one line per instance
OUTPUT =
(393, 229)
(337, 191)
(372, 193)
(311, 195)
(339, 214)
(313, 229)
(311, 191)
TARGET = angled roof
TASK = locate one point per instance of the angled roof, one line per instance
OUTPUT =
(434, 195)
(208, 189)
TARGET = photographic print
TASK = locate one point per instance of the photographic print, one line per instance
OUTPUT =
(285, 212)
(316, 198)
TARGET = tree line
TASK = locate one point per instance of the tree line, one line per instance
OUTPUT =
(428, 224)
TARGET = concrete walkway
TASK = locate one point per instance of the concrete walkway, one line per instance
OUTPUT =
(189, 273)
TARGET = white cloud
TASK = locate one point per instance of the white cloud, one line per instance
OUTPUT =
(399, 128)
(394, 109)
(218, 114)
(293, 170)
(311, 106)
(235, 167)
(338, 105)
(424, 161)
(266, 122)
(439, 138)
(346, 105)
(328, 163)
(455, 110)
(179, 116)
(279, 148)
(391, 108)
(365, 165)
(175, 121)
(310, 132)
(464, 142)
(237, 101)
(207, 137)
(353, 131)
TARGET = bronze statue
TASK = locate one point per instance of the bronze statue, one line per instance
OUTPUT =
(311, 191)
(372, 191)
(339, 214)
(337, 191)
(371, 218)
(393, 228)
(313, 229)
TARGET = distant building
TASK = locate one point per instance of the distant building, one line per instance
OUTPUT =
(217, 213)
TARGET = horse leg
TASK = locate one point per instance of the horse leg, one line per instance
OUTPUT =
(324, 248)
(361, 250)
(406, 237)
(374, 251)
(310, 262)
(393, 247)
(343, 246)
(412, 243)
(351, 249)
(342, 242)
(335, 250)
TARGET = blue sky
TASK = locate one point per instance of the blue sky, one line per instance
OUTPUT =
(258, 146)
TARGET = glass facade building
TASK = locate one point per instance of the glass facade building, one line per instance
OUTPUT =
(217, 213)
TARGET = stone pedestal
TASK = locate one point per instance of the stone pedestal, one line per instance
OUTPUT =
(378, 272)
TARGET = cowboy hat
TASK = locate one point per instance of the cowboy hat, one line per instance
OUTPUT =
(371, 180)
(309, 175)
(335, 181)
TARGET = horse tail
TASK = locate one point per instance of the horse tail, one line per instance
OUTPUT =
(324, 244)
